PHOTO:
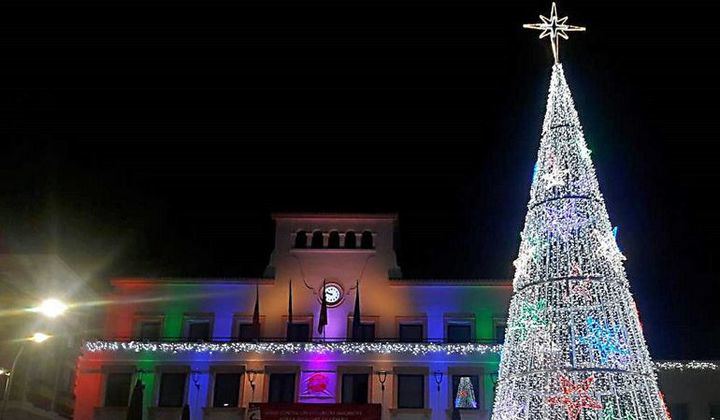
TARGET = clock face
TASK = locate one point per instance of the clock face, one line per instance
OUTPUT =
(333, 294)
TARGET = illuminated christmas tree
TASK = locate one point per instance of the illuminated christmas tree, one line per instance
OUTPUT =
(465, 397)
(574, 346)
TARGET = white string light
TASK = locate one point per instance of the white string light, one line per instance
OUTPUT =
(416, 349)
(686, 365)
(574, 346)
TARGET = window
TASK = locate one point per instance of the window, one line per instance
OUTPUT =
(459, 333)
(227, 390)
(355, 388)
(679, 411)
(317, 240)
(298, 332)
(45, 370)
(301, 239)
(411, 333)
(67, 380)
(150, 330)
(350, 241)
(500, 332)
(334, 240)
(366, 332)
(282, 388)
(198, 330)
(172, 389)
(244, 329)
(366, 240)
(466, 391)
(247, 331)
(117, 389)
(411, 391)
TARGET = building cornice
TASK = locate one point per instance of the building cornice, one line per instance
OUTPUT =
(128, 281)
(452, 282)
(343, 216)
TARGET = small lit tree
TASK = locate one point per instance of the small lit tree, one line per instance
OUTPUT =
(465, 397)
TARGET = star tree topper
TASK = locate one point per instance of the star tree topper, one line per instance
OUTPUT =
(554, 28)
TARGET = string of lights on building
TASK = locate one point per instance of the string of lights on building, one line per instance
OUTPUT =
(687, 365)
(415, 349)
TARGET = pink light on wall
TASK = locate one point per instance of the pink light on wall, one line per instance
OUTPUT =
(317, 386)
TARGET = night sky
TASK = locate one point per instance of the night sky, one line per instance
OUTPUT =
(157, 139)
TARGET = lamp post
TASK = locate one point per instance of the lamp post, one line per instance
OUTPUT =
(49, 308)
(382, 377)
(38, 337)
(252, 375)
(6, 373)
(438, 380)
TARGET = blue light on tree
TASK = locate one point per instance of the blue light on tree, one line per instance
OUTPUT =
(606, 339)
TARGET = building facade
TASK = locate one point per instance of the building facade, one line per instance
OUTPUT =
(423, 349)
(691, 388)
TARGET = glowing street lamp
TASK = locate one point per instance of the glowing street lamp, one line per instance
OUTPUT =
(39, 337)
(51, 308)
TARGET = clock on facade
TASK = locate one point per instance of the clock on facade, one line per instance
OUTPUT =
(333, 294)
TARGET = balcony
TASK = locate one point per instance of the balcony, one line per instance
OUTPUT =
(110, 413)
(164, 413)
(283, 347)
(223, 413)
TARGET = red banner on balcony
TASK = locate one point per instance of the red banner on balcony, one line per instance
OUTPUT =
(280, 411)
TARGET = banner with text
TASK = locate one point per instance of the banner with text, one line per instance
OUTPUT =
(280, 411)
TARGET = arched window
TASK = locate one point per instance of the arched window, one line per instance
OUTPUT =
(350, 241)
(317, 239)
(366, 241)
(334, 239)
(301, 239)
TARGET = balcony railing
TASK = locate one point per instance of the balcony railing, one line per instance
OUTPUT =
(283, 346)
